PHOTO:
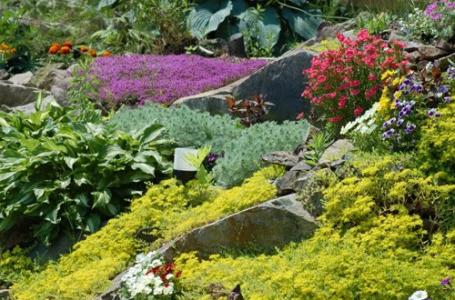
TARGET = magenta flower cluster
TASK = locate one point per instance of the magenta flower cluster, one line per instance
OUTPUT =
(164, 79)
(434, 10)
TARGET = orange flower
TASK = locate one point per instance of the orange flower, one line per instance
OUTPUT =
(54, 49)
(92, 52)
(83, 49)
(68, 44)
(65, 50)
(106, 53)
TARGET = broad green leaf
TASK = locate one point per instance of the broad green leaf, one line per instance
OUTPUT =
(52, 215)
(101, 199)
(268, 27)
(304, 24)
(70, 161)
(206, 17)
(93, 223)
(146, 168)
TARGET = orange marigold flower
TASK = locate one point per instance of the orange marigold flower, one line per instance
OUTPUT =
(83, 49)
(106, 53)
(54, 49)
(92, 52)
(65, 50)
(68, 44)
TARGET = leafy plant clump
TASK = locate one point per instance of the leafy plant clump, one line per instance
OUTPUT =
(242, 147)
(164, 79)
(88, 270)
(63, 171)
(263, 24)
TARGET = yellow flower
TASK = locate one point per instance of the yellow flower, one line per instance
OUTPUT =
(387, 74)
(397, 94)
(384, 101)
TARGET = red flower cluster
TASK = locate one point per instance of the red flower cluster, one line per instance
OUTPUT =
(163, 271)
(343, 83)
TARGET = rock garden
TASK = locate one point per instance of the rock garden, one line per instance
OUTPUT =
(228, 149)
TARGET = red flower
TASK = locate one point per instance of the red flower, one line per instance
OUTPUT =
(54, 48)
(65, 50)
(342, 102)
(300, 116)
(336, 119)
(358, 111)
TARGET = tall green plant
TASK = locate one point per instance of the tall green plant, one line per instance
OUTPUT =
(275, 18)
(62, 170)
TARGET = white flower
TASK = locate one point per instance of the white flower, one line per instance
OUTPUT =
(419, 295)
(168, 290)
(169, 276)
(156, 263)
(158, 290)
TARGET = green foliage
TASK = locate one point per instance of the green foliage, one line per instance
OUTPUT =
(63, 170)
(263, 25)
(242, 147)
(89, 268)
(14, 265)
(325, 45)
(436, 146)
(316, 147)
(377, 23)
(372, 244)
(148, 26)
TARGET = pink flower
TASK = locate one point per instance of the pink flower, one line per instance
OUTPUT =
(371, 92)
(335, 119)
(355, 92)
(300, 116)
(358, 111)
(321, 79)
(372, 77)
(342, 101)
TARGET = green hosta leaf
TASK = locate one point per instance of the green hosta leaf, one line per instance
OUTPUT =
(207, 16)
(238, 7)
(146, 168)
(93, 223)
(105, 3)
(267, 26)
(70, 161)
(304, 24)
(101, 199)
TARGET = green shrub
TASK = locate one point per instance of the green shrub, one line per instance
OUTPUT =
(242, 147)
(372, 244)
(14, 265)
(61, 169)
(436, 147)
(88, 269)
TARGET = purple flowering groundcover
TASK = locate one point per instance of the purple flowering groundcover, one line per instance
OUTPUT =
(164, 79)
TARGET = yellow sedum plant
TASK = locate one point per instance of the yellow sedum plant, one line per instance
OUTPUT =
(371, 244)
(89, 268)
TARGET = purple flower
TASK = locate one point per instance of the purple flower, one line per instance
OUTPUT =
(433, 113)
(417, 88)
(447, 99)
(410, 128)
(389, 122)
(443, 90)
(451, 71)
(446, 281)
(164, 79)
(388, 133)
(400, 122)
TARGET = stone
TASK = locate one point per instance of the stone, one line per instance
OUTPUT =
(281, 82)
(269, 225)
(30, 107)
(444, 62)
(13, 95)
(428, 52)
(285, 184)
(48, 76)
(4, 294)
(236, 46)
(283, 158)
(4, 74)
(213, 102)
(336, 152)
(302, 166)
(328, 31)
(22, 78)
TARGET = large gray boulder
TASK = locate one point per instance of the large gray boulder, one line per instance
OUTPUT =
(272, 224)
(22, 78)
(12, 95)
(281, 82)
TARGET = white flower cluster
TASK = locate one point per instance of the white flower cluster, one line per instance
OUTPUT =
(139, 283)
(364, 124)
(419, 295)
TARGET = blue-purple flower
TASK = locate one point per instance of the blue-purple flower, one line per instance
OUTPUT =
(433, 112)
(446, 282)
(410, 127)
